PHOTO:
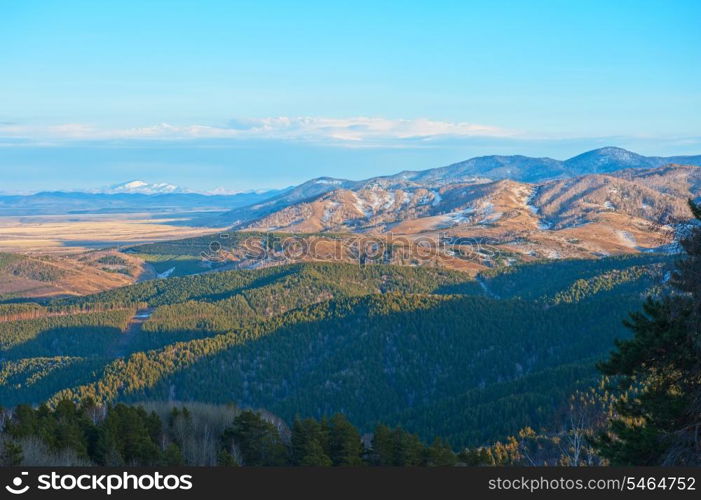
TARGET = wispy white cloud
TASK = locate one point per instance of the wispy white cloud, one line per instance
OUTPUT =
(349, 131)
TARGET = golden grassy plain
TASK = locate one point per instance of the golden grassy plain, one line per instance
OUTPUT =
(71, 233)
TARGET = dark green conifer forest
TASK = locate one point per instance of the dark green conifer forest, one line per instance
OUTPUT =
(341, 364)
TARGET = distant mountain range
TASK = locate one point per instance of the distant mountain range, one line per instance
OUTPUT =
(450, 197)
(527, 169)
(130, 197)
(604, 202)
(481, 170)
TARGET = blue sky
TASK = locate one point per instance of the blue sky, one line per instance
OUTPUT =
(243, 95)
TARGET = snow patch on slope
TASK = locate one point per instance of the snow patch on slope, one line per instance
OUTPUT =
(627, 239)
(143, 187)
(329, 211)
(457, 217)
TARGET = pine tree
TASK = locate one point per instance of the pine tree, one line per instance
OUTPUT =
(345, 446)
(258, 440)
(308, 444)
(396, 447)
(173, 456)
(382, 446)
(11, 454)
(134, 434)
(409, 450)
(439, 454)
(315, 456)
(226, 459)
(659, 371)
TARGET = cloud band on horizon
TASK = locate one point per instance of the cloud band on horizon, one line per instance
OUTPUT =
(341, 131)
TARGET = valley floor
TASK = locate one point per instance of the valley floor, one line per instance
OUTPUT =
(74, 233)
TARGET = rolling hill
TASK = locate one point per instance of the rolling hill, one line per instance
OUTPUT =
(376, 342)
(473, 171)
(30, 276)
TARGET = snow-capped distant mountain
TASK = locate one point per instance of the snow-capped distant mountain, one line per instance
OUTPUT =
(142, 187)
(132, 196)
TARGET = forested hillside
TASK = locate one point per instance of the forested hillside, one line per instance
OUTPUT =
(372, 356)
(433, 350)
